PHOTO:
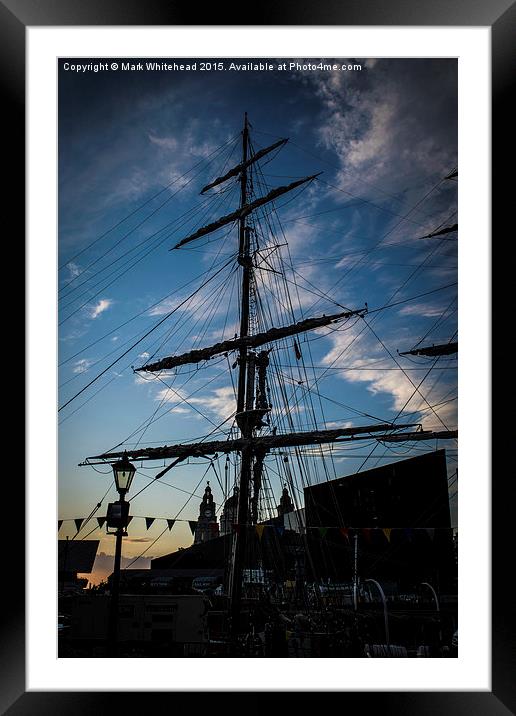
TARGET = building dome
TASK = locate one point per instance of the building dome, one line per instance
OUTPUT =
(229, 513)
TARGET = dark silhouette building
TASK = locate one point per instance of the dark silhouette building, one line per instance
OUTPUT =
(399, 516)
(396, 517)
(286, 505)
(229, 513)
(207, 526)
(75, 557)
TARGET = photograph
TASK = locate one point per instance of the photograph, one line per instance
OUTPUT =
(257, 357)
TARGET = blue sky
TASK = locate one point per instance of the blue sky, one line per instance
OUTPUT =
(135, 148)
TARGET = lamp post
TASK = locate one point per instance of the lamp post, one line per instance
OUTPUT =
(426, 584)
(118, 513)
(385, 613)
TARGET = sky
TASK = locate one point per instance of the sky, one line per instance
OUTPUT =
(135, 148)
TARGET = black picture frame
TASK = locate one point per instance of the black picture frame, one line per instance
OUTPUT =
(500, 15)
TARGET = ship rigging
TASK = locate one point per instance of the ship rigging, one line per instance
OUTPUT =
(260, 428)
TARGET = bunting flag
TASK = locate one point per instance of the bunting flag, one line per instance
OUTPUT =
(366, 532)
(78, 523)
(129, 520)
(345, 532)
(387, 532)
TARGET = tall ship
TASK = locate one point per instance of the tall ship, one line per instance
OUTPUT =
(273, 459)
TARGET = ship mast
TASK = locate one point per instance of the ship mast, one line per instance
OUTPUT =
(244, 261)
(246, 430)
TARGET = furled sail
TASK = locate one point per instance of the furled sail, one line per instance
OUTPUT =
(440, 232)
(273, 334)
(266, 442)
(441, 350)
(244, 211)
(420, 435)
(243, 165)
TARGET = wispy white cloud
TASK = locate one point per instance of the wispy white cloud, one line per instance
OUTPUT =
(100, 307)
(73, 269)
(81, 365)
(427, 310)
(165, 307)
(403, 388)
(219, 401)
(163, 142)
(386, 126)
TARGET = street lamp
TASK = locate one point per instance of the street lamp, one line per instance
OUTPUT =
(118, 517)
(426, 584)
(124, 473)
(385, 612)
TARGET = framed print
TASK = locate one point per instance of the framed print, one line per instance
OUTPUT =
(130, 110)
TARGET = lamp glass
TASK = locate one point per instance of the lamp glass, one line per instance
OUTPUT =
(124, 473)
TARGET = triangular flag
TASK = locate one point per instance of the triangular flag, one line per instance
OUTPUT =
(387, 532)
(259, 530)
(59, 523)
(408, 532)
(193, 525)
(149, 521)
(101, 521)
(78, 523)
(280, 530)
(323, 531)
(345, 532)
(366, 532)
(170, 524)
(129, 520)
(430, 532)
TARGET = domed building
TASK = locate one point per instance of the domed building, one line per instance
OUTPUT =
(229, 513)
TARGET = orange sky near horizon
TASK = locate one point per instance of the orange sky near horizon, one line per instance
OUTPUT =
(133, 547)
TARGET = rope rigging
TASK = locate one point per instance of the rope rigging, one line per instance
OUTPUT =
(295, 401)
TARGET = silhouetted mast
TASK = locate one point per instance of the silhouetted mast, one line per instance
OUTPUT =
(444, 349)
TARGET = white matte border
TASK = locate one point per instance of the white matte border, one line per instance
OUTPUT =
(471, 670)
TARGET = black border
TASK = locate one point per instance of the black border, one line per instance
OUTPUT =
(500, 15)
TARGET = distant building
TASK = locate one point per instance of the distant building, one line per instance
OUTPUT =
(207, 527)
(229, 514)
(286, 505)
